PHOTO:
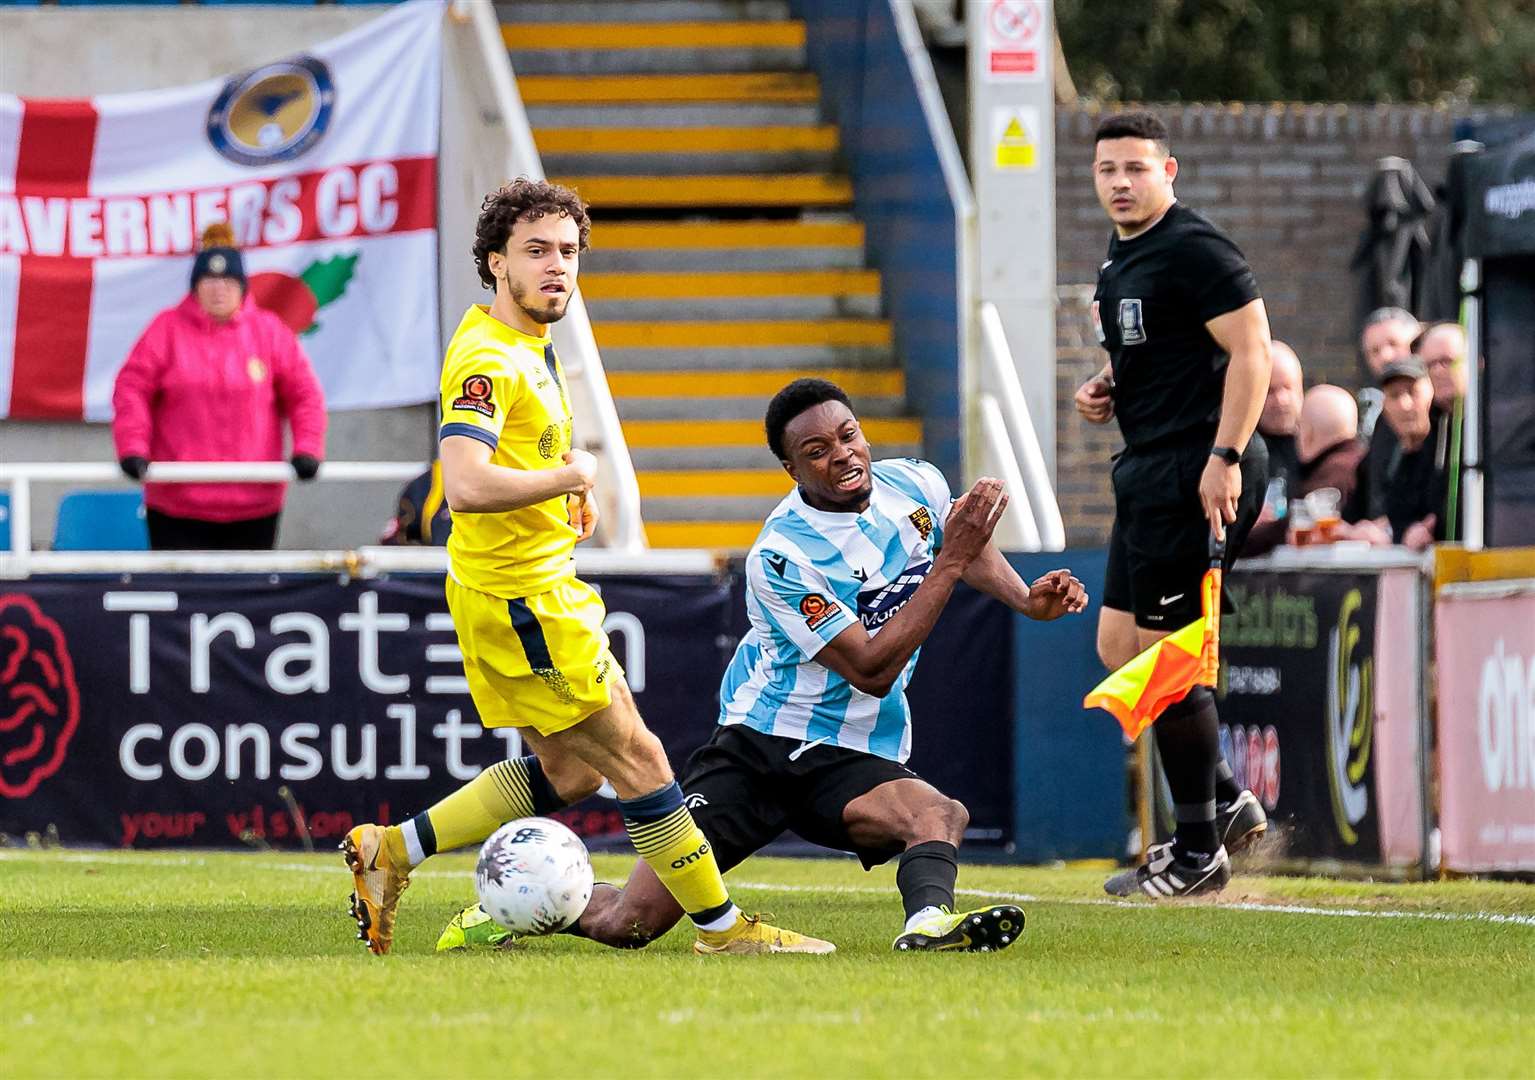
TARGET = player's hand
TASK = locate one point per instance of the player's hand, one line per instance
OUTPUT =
(583, 515)
(1220, 486)
(1055, 594)
(972, 519)
(1095, 400)
(1420, 534)
(583, 471)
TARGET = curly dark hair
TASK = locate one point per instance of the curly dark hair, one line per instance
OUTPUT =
(522, 200)
(1133, 125)
(799, 395)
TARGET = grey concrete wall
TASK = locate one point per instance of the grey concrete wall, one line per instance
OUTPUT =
(73, 52)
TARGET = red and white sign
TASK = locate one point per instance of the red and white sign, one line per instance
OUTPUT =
(1485, 652)
(325, 166)
(1014, 38)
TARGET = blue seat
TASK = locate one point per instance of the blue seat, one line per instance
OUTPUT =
(5, 522)
(101, 521)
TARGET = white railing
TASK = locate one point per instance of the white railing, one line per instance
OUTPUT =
(999, 432)
(17, 478)
(1002, 391)
(599, 430)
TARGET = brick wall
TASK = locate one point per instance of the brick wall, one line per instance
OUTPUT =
(1287, 183)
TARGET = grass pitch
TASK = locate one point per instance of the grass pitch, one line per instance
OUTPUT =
(243, 965)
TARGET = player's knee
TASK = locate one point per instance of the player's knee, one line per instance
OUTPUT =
(959, 820)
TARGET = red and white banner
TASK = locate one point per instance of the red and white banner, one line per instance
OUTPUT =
(324, 164)
(1485, 652)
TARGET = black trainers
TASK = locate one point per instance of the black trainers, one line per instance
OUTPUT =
(1241, 823)
(1167, 873)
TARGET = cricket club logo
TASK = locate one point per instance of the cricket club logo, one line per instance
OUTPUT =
(274, 113)
(877, 606)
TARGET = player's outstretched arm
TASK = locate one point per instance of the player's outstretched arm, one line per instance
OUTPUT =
(873, 664)
(1049, 597)
(475, 486)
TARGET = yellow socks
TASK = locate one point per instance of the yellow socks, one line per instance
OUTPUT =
(506, 791)
(670, 841)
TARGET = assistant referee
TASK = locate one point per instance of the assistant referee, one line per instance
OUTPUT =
(1180, 315)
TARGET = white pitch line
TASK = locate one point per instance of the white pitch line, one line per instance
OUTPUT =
(1494, 917)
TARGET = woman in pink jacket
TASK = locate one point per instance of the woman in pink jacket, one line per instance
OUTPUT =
(213, 379)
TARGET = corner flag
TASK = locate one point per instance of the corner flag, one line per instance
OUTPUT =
(1163, 674)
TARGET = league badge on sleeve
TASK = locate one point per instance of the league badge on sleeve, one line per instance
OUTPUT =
(818, 610)
(476, 396)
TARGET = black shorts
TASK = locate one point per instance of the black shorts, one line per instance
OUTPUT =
(745, 790)
(1159, 548)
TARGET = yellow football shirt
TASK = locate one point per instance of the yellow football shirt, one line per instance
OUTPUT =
(507, 389)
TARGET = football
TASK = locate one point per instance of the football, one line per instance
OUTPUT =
(534, 876)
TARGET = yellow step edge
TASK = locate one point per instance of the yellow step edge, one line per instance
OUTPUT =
(768, 139)
(579, 36)
(702, 534)
(657, 434)
(618, 334)
(764, 384)
(649, 235)
(675, 483)
(686, 285)
(793, 87)
(788, 189)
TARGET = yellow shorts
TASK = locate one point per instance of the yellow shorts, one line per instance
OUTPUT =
(541, 662)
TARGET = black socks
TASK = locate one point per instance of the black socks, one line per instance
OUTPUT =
(926, 876)
(1188, 741)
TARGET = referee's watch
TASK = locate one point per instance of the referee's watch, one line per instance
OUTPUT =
(1227, 454)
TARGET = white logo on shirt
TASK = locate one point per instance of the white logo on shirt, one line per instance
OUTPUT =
(1132, 323)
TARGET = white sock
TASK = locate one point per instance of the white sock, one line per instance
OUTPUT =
(724, 922)
(413, 850)
(920, 916)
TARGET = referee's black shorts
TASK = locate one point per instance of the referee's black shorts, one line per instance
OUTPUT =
(746, 789)
(1159, 548)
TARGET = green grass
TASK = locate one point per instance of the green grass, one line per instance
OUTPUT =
(242, 965)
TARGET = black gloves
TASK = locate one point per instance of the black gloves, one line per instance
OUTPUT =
(305, 465)
(134, 468)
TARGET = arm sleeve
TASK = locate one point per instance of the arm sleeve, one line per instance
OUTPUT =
(134, 391)
(797, 603)
(477, 392)
(1220, 279)
(299, 394)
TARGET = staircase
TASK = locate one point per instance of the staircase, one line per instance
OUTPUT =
(725, 257)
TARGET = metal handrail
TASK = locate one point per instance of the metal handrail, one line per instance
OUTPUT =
(19, 476)
(999, 380)
(618, 488)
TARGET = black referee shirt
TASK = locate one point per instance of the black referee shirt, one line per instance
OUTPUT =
(1155, 294)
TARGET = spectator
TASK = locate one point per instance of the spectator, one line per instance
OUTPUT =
(1442, 348)
(1329, 452)
(1386, 338)
(1281, 414)
(422, 516)
(1406, 493)
(212, 379)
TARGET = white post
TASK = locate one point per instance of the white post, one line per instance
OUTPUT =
(1472, 496)
(1012, 163)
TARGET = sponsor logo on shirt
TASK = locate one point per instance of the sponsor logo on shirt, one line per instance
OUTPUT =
(818, 610)
(1132, 322)
(476, 396)
(877, 606)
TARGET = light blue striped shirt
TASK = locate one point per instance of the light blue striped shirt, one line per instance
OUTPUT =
(811, 575)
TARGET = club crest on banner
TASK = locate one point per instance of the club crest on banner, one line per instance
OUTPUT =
(274, 113)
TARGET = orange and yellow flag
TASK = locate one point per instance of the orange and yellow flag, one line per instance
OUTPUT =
(1164, 673)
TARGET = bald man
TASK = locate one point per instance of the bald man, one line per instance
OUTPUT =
(1442, 348)
(1281, 413)
(1329, 451)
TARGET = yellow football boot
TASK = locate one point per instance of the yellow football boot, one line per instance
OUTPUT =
(377, 885)
(751, 936)
(985, 929)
